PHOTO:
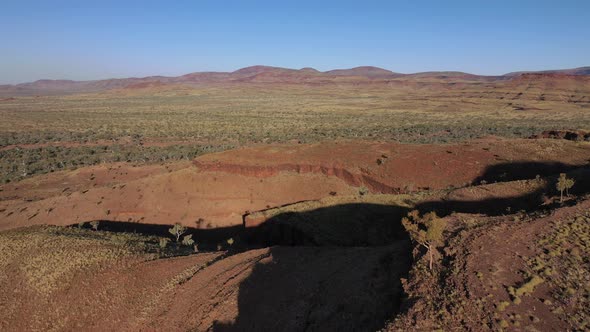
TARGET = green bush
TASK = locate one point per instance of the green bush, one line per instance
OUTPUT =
(188, 240)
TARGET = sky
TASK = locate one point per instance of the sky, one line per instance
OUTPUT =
(85, 40)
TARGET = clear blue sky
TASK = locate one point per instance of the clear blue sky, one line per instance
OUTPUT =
(104, 39)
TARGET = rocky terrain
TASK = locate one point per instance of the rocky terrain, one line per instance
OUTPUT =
(303, 236)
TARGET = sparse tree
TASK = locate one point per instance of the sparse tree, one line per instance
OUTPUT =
(187, 240)
(94, 224)
(427, 231)
(177, 230)
(563, 183)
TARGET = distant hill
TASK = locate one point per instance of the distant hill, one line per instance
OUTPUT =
(365, 71)
(266, 74)
(309, 70)
(253, 70)
(574, 71)
(451, 76)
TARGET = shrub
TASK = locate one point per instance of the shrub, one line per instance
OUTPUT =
(187, 240)
(363, 190)
(427, 231)
(563, 183)
(94, 224)
(164, 242)
(502, 305)
(529, 286)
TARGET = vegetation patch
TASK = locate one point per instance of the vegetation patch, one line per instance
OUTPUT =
(49, 256)
(565, 265)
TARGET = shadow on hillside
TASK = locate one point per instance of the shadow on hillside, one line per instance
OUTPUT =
(333, 268)
(357, 224)
(512, 171)
(207, 238)
(529, 201)
(322, 289)
(339, 267)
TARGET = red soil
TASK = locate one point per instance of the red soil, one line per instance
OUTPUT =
(221, 187)
(283, 288)
(390, 167)
(487, 260)
(205, 293)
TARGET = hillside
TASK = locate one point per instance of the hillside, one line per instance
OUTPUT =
(513, 255)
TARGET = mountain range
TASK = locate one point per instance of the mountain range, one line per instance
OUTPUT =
(267, 74)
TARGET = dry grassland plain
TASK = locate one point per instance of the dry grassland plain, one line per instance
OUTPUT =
(40, 134)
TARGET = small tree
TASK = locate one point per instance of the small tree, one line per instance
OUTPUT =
(427, 231)
(188, 240)
(94, 224)
(177, 230)
(563, 183)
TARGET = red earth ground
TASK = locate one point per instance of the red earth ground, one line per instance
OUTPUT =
(350, 279)
(490, 259)
(217, 189)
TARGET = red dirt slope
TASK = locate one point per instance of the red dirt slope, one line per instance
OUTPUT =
(521, 272)
(264, 289)
(224, 186)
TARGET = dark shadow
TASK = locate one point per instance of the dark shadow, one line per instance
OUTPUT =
(530, 201)
(360, 224)
(322, 289)
(512, 171)
(489, 207)
(333, 268)
(339, 268)
(206, 238)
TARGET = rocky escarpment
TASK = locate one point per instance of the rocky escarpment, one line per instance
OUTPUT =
(350, 177)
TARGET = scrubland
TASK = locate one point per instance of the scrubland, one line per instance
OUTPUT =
(44, 134)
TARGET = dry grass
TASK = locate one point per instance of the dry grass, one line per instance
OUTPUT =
(565, 266)
(48, 257)
(251, 114)
(119, 127)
